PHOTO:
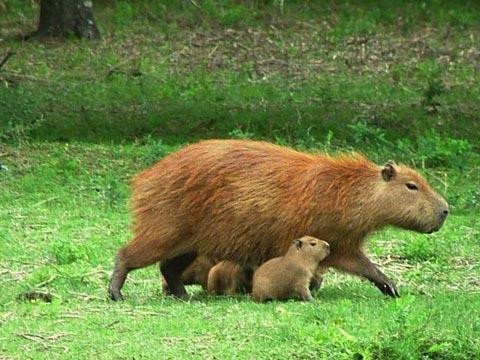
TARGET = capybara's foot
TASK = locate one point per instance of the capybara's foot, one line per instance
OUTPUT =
(115, 294)
(388, 288)
(182, 296)
(118, 279)
(306, 296)
(179, 292)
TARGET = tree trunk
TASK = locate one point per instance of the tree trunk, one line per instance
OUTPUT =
(63, 18)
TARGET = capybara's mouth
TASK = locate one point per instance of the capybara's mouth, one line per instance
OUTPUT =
(429, 229)
(436, 228)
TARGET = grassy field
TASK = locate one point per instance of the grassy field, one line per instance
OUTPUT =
(79, 119)
(64, 215)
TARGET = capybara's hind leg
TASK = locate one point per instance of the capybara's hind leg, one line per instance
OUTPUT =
(119, 275)
(133, 256)
(172, 272)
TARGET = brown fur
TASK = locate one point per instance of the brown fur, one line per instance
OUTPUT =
(195, 274)
(290, 276)
(227, 278)
(244, 201)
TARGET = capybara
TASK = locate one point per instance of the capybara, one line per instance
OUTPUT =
(227, 278)
(290, 276)
(244, 201)
(195, 274)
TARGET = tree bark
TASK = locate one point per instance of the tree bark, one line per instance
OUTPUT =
(63, 18)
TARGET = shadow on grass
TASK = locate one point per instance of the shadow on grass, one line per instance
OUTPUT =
(324, 295)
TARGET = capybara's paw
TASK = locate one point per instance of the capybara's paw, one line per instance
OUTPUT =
(306, 296)
(309, 297)
(115, 295)
(388, 288)
(179, 293)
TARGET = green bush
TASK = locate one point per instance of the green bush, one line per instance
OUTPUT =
(435, 150)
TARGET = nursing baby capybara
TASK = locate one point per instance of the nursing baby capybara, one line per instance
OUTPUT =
(227, 278)
(195, 274)
(244, 201)
(290, 276)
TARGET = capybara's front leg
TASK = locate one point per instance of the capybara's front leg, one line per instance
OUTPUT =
(317, 279)
(359, 264)
(172, 272)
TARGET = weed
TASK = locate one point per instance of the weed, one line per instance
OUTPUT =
(240, 134)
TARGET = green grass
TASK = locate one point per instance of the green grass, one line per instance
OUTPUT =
(64, 215)
(396, 80)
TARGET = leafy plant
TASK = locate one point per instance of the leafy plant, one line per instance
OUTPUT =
(436, 150)
(363, 133)
(155, 149)
(240, 134)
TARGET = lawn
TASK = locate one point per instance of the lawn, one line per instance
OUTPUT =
(64, 215)
(79, 119)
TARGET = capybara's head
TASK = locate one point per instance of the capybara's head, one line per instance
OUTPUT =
(311, 247)
(408, 201)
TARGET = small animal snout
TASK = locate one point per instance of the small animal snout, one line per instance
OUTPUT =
(444, 213)
(326, 246)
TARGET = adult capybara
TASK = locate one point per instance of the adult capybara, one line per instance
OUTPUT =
(244, 201)
(290, 276)
(195, 274)
(227, 278)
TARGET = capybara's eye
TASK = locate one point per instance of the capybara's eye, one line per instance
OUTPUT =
(313, 244)
(411, 186)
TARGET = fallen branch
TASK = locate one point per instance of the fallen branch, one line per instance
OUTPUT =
(48, 281)
(36, 338)
(44, 339)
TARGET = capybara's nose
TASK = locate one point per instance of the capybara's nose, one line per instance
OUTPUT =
(444, 213)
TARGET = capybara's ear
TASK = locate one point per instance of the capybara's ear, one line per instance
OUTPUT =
(388, 171)
(298, 243)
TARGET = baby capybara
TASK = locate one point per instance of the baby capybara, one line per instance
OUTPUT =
(195, 274)
(227, 278)
(289, 276)
(244, 201)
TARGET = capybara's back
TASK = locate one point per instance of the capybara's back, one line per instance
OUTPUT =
(244, 201)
